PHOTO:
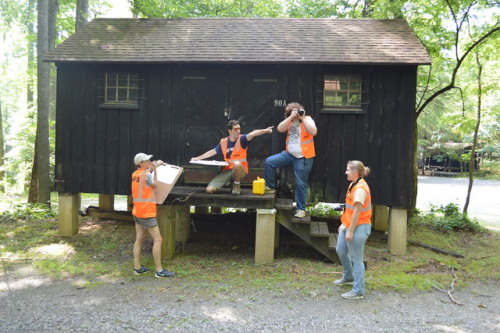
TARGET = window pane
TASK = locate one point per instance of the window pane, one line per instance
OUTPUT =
(122, 95)
(341, 91)
(125, 88)
(110, 94)
(328, 100)
(111, 79)
(344, 82)
(340, 99)
(355, 99)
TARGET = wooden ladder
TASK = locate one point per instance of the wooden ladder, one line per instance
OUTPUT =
(315, 234)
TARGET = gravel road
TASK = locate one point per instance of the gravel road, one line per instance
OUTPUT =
(36, 304)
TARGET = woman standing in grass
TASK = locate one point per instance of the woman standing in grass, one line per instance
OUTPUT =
(354, 230)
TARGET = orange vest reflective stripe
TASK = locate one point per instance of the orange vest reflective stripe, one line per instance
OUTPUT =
(238, 155)
(306, 141)
(366, 211)
(142, 195)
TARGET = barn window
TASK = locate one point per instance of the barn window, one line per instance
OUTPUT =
(342, 93)
(120, 90)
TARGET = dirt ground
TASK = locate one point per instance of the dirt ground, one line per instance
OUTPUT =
(30, 302)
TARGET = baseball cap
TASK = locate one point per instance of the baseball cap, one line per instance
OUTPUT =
(141, 157)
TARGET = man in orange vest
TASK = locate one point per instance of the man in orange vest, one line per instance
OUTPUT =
(299, 153)
(234, 149)
(144, 212)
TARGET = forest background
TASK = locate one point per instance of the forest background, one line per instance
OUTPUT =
(457, 109)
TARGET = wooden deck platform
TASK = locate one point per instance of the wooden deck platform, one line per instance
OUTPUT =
(196, 196)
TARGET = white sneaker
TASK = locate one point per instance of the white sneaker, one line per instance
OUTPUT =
(300, 213)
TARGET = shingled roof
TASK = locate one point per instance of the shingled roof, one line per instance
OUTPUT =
(243, 40)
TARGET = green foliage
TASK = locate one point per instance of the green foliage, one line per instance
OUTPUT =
(323, 210)
(28, 211)
(206, 8)
(447, 218)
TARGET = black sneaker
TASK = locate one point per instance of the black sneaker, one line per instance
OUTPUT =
(164, 273)
(141, 270)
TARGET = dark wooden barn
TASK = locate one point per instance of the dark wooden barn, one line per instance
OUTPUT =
(168, 86)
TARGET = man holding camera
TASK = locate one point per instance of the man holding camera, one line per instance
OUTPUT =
(299, 153)
(234, 149)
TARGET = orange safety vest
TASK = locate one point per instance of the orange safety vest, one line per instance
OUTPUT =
(306, 141)
(238, 155)
(142, 195)
(366, 211)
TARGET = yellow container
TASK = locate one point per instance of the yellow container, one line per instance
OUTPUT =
(259, 186)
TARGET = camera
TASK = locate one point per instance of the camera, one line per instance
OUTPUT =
(301, 112)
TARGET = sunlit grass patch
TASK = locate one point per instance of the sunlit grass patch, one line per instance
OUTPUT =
(102, 252)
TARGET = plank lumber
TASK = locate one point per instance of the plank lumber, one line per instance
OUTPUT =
(396, 243)
(108, 214)
(265, 236)
(319, 229)
(197, 196)
(106, 201)
(332, 241)
(69, 204)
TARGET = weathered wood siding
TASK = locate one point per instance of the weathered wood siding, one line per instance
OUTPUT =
(183, 114)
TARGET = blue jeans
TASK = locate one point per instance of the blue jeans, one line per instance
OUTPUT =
(301, 169)
(351, 255)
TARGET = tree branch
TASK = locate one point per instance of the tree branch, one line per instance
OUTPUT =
(451, 85)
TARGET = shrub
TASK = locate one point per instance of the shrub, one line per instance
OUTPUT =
(446, 218)
(28, 211)
(323, 210)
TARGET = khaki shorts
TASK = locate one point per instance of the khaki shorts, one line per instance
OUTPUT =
(147, 223)
(224, 178)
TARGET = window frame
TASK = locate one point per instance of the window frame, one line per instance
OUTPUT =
(343, 109)
(104, 85)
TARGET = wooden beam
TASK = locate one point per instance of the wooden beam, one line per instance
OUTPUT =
(277, 235)
(69, 205)
(130, 203)
(183, 224)
(264, 236)
(166, 217)
(398, 221)
(109, 214)
(106, 201)
(380, 217)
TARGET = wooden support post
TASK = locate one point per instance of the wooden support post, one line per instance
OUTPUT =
(264, 236)
(380, 217)
(398, 220)
(69, 205)
(202, 210)
(182, 224)
(130, 203)
(277, 235)
(106, 202)
(166, 217)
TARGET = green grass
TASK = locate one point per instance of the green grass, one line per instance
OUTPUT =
(102, 252)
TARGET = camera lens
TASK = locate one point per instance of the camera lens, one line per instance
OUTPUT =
(301, 112)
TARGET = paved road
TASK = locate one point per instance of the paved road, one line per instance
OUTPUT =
(484, 200)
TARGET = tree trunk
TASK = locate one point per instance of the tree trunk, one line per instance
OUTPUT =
(476, 131)
(42, 150)
(2, 153)
(82, 10)
(31, 53)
